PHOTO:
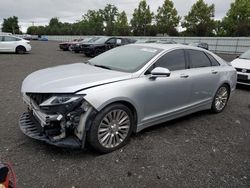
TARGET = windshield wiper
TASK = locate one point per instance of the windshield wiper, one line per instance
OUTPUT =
(103, 66)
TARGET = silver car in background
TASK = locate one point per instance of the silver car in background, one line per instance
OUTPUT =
(121, 91)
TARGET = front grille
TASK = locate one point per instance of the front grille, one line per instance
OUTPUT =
(240, 70)
(244, 81)
(85, 45)
(38, 98)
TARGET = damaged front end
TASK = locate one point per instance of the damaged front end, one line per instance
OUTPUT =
(57, 119)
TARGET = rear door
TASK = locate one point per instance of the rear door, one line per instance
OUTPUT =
(205, 75)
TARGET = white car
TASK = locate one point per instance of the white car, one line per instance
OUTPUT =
(9, 43)
(242, 65)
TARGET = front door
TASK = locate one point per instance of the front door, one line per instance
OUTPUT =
(167, 95)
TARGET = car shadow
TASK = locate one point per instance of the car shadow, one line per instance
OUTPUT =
(89, 152)
(175, 122)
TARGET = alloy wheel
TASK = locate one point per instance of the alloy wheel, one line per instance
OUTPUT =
(114, 128)
(221, 98)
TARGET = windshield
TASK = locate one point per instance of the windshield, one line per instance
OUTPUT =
(245, 55)
(89, 39)
(128, 58)
(100, 40)
(93, 39)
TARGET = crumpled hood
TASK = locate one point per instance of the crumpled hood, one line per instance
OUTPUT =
(70, 78)
(241, 63)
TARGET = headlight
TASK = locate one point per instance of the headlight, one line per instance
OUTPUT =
(61, 104)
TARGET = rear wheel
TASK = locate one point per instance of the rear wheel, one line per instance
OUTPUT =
(220, 99)
(111, 128)
(20, 50)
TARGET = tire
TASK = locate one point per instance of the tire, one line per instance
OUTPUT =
(20, 50)
(220, 99)
(87, 55)
(106, 134)
(97, 52)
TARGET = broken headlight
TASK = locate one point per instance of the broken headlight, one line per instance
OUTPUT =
(61, 103)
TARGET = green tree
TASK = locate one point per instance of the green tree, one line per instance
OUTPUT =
(10, 25)
(36, 30)
(32, 30)
(54, 27)
(219, 29)
(121, 25)
(237, 20)
(167, 18)
(199, 21)
(142, 19)
(93, 22)
(109, 14)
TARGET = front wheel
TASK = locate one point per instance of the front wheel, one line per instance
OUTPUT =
(20, 50)
(98, 51)
(220, 99)
(111, 128)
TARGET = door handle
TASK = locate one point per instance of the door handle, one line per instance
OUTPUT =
(184, 76)
(214, 72)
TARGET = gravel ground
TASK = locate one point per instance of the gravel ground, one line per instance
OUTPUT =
(200, 150)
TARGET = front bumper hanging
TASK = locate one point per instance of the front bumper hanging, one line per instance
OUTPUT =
(30, 127)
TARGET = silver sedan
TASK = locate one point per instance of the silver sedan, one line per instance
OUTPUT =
(103, 101)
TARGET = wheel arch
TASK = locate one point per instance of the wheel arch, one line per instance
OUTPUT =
(126, 103)
(228, 85)
(20, 46)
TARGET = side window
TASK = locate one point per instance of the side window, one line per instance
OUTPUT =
(174, 60)
(213, 60)
(111, 41)
(1, 38)
(198, 59)
(7, 38)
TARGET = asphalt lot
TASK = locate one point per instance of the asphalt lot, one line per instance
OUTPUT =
(200, 150)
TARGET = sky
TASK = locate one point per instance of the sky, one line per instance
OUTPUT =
(39, 12)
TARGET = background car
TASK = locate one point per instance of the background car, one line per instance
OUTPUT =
(121, 91)
(242, 66)
(200, 45)
(146, 41)
(43, 38)
(92, 49)
(10, 43)
(166, 41)
(78, 47)
(65, 46)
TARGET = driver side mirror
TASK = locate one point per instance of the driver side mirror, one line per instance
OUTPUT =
(160, 72)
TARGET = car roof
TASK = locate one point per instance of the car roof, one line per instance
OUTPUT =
(167, 46)
(3, 35)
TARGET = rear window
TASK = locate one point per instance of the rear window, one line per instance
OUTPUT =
(214, 62)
